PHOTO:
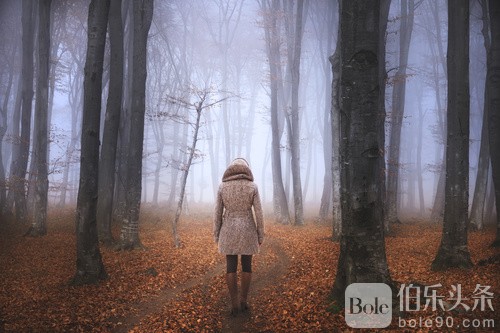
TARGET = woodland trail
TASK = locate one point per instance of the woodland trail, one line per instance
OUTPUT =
(265, 276)
(261, 278)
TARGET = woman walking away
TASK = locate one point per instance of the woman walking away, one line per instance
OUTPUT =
(236, 230)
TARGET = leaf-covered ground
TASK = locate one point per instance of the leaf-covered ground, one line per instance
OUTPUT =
(162, 289)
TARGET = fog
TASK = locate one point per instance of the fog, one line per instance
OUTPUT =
(219, 46)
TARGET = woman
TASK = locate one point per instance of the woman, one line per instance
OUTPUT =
(235, 229)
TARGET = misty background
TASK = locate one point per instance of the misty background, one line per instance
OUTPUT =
(220, 46)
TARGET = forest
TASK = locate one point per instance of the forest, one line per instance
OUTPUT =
(371, 129)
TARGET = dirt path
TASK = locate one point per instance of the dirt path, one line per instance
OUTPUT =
(263, 277)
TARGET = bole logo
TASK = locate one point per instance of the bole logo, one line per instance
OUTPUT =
(368, 305)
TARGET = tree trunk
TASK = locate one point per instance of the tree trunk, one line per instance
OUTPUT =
(397, 114)
(362, 248)
(185, 173)
(294, 114)
(143, 14)
(16, 140)
(3, 131)
(280, 203)
(119, 197)
(419, 154)
(39, 226)
(476, 219)
(438, 206)
(335, 123)
(326, 197)
(89, 265)
(453, 251)
(493, 87)
(21, 160)
(107, 163)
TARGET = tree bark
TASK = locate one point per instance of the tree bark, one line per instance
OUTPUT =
(185, 173)
(107, 163)
(362, 248)
(89, 265)
(3, 131)
(476, 219)
(143, 14)
(335, 123)
(453, 250)
(280, 203)
(326, 196)
(39, 225)
(397, 114)
(420, 180)
(438, 205)
(294, 66)
(20, 162)
(493, 87)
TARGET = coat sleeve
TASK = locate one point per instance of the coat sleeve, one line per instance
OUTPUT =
(259, 215)
(219, 209)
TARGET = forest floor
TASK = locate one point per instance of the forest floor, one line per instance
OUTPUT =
(163, 289)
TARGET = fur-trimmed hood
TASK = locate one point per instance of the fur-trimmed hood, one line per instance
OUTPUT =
(237, 170)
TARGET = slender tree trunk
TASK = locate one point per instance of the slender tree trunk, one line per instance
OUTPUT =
(335, 123)
(438, 206)
(280, 203)
(419, 155)
(21, 162)
(362, 248)
(89, 265)
(397, 114)
(185, 173)
(175, 169)
(295, 123)
(493, 87)
(107, 162)
(16, 142)
(326, 196)
(3, 131)
(453, 251)
(143, 14)
(39, 226)
(476, 219)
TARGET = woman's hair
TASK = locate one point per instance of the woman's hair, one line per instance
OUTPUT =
(240, 160)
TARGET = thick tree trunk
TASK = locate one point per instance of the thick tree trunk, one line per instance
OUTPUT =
(39, 226)
(119, 197)
(493, 87)
(453, 251)
(143, 14)
(107, 163)
(89, 265)
(397, 114)
(362, 248)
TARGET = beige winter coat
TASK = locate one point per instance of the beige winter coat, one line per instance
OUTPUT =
(235, 229)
